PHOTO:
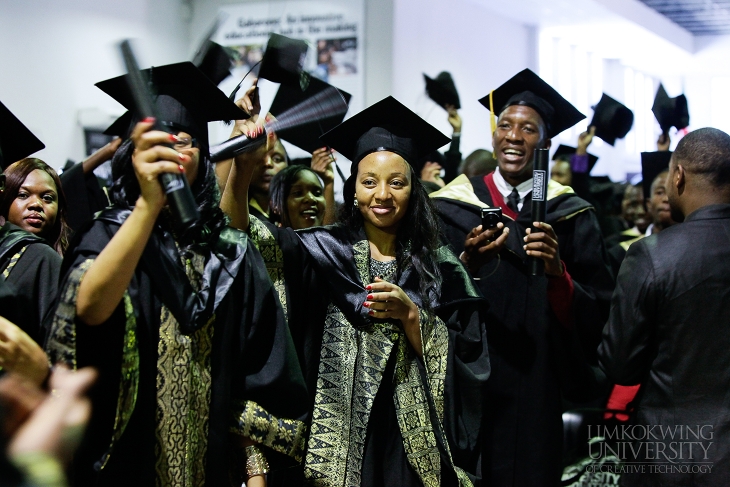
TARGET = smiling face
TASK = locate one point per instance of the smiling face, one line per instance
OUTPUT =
(305, 202)
(520, 130)
(36, 207)
(383, 189)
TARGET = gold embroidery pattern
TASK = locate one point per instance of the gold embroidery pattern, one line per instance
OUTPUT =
(327, 448)
(435, 339)
(351, 368)
(373, 349)
(13, 260)
(412, 412)
(61, 348)
(273, 257)
(283, 435)
(183, 396)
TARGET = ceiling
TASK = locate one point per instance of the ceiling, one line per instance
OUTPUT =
(700, 17)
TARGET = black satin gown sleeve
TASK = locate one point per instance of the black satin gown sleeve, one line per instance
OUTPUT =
(35, 281)
(627, 352)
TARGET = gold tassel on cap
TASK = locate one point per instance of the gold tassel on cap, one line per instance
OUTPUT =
(492, 118)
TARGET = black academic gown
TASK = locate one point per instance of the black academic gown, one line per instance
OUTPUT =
(255, 380)
(32, 269)
(536, 360)
(330, 261)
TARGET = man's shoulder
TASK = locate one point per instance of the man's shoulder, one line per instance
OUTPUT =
(462, 191)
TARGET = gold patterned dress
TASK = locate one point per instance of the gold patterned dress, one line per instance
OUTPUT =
(196, 355)
(381, 415)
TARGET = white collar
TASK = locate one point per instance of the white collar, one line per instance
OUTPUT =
(505, 189)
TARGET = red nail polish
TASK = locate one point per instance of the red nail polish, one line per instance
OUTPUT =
(368, 287)
(182, 169)
(371, 312)
(366, 304)
(370, 297)
(149, 120)
(173, 138)
(182, 157)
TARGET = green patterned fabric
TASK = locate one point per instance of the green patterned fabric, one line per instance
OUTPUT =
(61, 348)
(282, 435)
(265, 242)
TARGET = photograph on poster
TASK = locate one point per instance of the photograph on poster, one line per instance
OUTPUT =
(336, 57)
(247, 56)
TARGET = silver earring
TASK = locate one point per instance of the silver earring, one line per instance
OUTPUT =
(354, 203)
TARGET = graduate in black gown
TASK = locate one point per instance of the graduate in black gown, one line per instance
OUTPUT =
(194, 356)
(543, 331)
(389, 327)
(28, 264)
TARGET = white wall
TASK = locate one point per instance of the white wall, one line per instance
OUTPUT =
(52, 53)
(481, 49)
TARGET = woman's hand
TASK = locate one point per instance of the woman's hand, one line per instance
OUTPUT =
(250, 103)
(151, 158)
(322, 160)
(454, 118)
(20, 354)
(544, 245)
(386, 300)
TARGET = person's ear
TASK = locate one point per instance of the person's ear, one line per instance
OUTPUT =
(680, 179)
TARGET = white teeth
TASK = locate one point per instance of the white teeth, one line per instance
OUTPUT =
(512, 151)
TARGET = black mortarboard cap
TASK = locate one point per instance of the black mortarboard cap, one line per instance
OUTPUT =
(16, 141)
(215, 62)
(527, 88)
(612, 119)
(387, 125)
(122, 126)
(185, 97)
(670, 112)
(331, 104)
(652, 165)
(284, 60)
(442, 90)
(565, 151)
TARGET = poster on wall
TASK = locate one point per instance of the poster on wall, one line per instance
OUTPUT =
(332, 29)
